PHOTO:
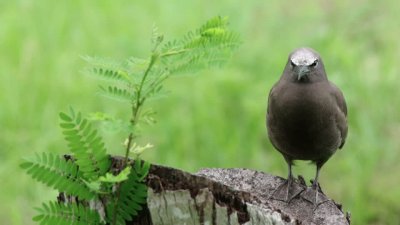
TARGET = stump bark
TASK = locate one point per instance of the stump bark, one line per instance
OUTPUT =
(228, 196)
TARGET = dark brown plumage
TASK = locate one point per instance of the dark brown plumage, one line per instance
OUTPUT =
(306, 116)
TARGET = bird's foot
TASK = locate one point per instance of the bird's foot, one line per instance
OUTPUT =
(286, 191)
(313, 195)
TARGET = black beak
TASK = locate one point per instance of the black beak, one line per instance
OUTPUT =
(302, 71)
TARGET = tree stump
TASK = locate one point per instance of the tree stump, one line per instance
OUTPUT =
(228, 196)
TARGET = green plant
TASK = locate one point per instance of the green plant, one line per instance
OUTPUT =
(100, 195)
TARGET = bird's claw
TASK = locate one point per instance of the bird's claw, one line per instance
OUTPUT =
(286, 191)
(315, 197)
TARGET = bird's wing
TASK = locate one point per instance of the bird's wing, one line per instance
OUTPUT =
(341, 118)
(269, 99)
(269, 116)
(340, 100)
(271, 96)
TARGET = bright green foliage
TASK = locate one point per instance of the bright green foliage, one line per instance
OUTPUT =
(111, 178)
(72, 213)
(207, 46)
(106, 69)
(71, 177)
(133, 82)
(111, 123)
(58, 173)
(117, 93)
(87, 147)
(132, 196)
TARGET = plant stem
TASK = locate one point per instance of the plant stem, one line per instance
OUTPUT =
(137, 106)
(135, 116)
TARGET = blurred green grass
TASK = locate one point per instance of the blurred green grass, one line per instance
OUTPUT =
(213, 119)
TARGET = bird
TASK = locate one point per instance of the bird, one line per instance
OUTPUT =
(306, 118)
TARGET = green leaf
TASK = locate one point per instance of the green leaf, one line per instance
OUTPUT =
(67, 125)
(108, 70)
(118, 93)
(138, 150)
(25, 165)
(111, 178)
(87, 147)
(142, 168)
(210, 32)
(100, 116)
(72, 213)
(208, 46)
(58, 173)
(65, 117)
(93, 185)
(133, 194)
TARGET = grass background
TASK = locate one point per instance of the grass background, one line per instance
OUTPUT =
(213, 119)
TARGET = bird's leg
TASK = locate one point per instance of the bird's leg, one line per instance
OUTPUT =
(286, 191)
(312, 194)
(289, 182)
(314, 186)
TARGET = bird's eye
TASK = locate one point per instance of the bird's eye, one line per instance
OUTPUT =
(314, 64)
(292, 63)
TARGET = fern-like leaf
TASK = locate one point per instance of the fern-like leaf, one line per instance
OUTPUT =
(86, 145)
(73, 213)
(58, 173)
(117, 93)
(127, 72)
(107, 69)
(133, 194)
(206, 47)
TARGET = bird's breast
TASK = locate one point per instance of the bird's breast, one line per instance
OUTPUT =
(302, 122)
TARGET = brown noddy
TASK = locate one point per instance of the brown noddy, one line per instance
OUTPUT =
(306, 118)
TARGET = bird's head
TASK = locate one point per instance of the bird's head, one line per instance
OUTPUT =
(305, 65)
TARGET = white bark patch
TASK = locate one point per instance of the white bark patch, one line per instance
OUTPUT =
(178, 207)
